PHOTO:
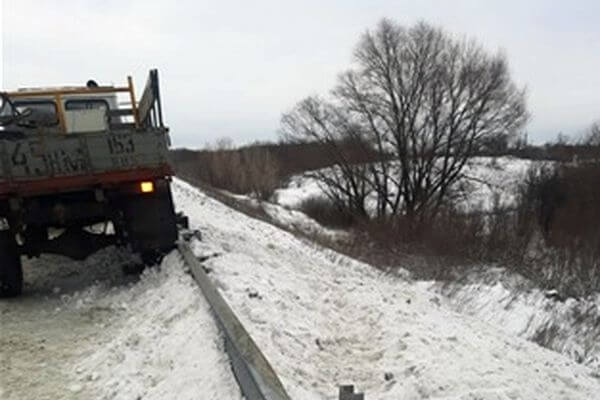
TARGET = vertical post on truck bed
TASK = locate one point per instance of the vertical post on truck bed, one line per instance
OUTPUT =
(60, 110)
(154, 74)
(134, 110)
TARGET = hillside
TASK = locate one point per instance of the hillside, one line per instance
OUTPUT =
(324, 319)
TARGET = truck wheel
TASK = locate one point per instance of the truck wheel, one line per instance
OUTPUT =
(11, 271)
(152, 257)
(149, 258)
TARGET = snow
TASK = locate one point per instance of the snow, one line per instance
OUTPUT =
(292, 219)
(168, 344)
(484, 179)
(508, 301)
(496, 295)
(298, 188)
(489, 178)
(323, 319)
(83, 330)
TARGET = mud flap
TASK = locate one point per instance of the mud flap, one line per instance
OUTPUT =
(151, 222)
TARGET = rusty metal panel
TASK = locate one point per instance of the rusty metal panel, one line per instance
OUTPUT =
(43, 157)
(128, 150)
(48, 156)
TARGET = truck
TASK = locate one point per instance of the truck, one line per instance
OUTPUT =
(83, 168)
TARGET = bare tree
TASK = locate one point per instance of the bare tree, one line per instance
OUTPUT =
(592, 137)
(426, 102)
(314, 119)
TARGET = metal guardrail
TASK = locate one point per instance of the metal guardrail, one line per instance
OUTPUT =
(255, 376)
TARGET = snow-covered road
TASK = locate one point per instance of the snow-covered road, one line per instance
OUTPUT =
(106, 336)
(323, 319)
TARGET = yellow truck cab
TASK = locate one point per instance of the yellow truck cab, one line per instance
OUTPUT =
(82, 112)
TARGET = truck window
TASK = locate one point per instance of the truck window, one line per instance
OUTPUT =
(42, 110)
(86, 104)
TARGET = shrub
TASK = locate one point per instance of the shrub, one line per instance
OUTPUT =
(327, 213)
(564, 202)
(251, 170)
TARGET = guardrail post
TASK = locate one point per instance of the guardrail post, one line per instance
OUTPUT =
(347, 393)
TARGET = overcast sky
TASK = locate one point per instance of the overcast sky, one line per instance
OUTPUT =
(230, 68)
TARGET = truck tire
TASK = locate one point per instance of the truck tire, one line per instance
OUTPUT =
(11, 271)
(152, 257)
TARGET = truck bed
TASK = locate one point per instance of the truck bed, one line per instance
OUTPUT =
(41, 164)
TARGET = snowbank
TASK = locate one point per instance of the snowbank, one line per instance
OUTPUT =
(83, 330)
(167, 345)
(570, 326)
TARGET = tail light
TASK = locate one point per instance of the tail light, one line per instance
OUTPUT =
(147, 187)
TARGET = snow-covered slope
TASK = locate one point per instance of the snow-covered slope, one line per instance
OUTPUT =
(495, 295)
(509, 301)
(323, 319)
